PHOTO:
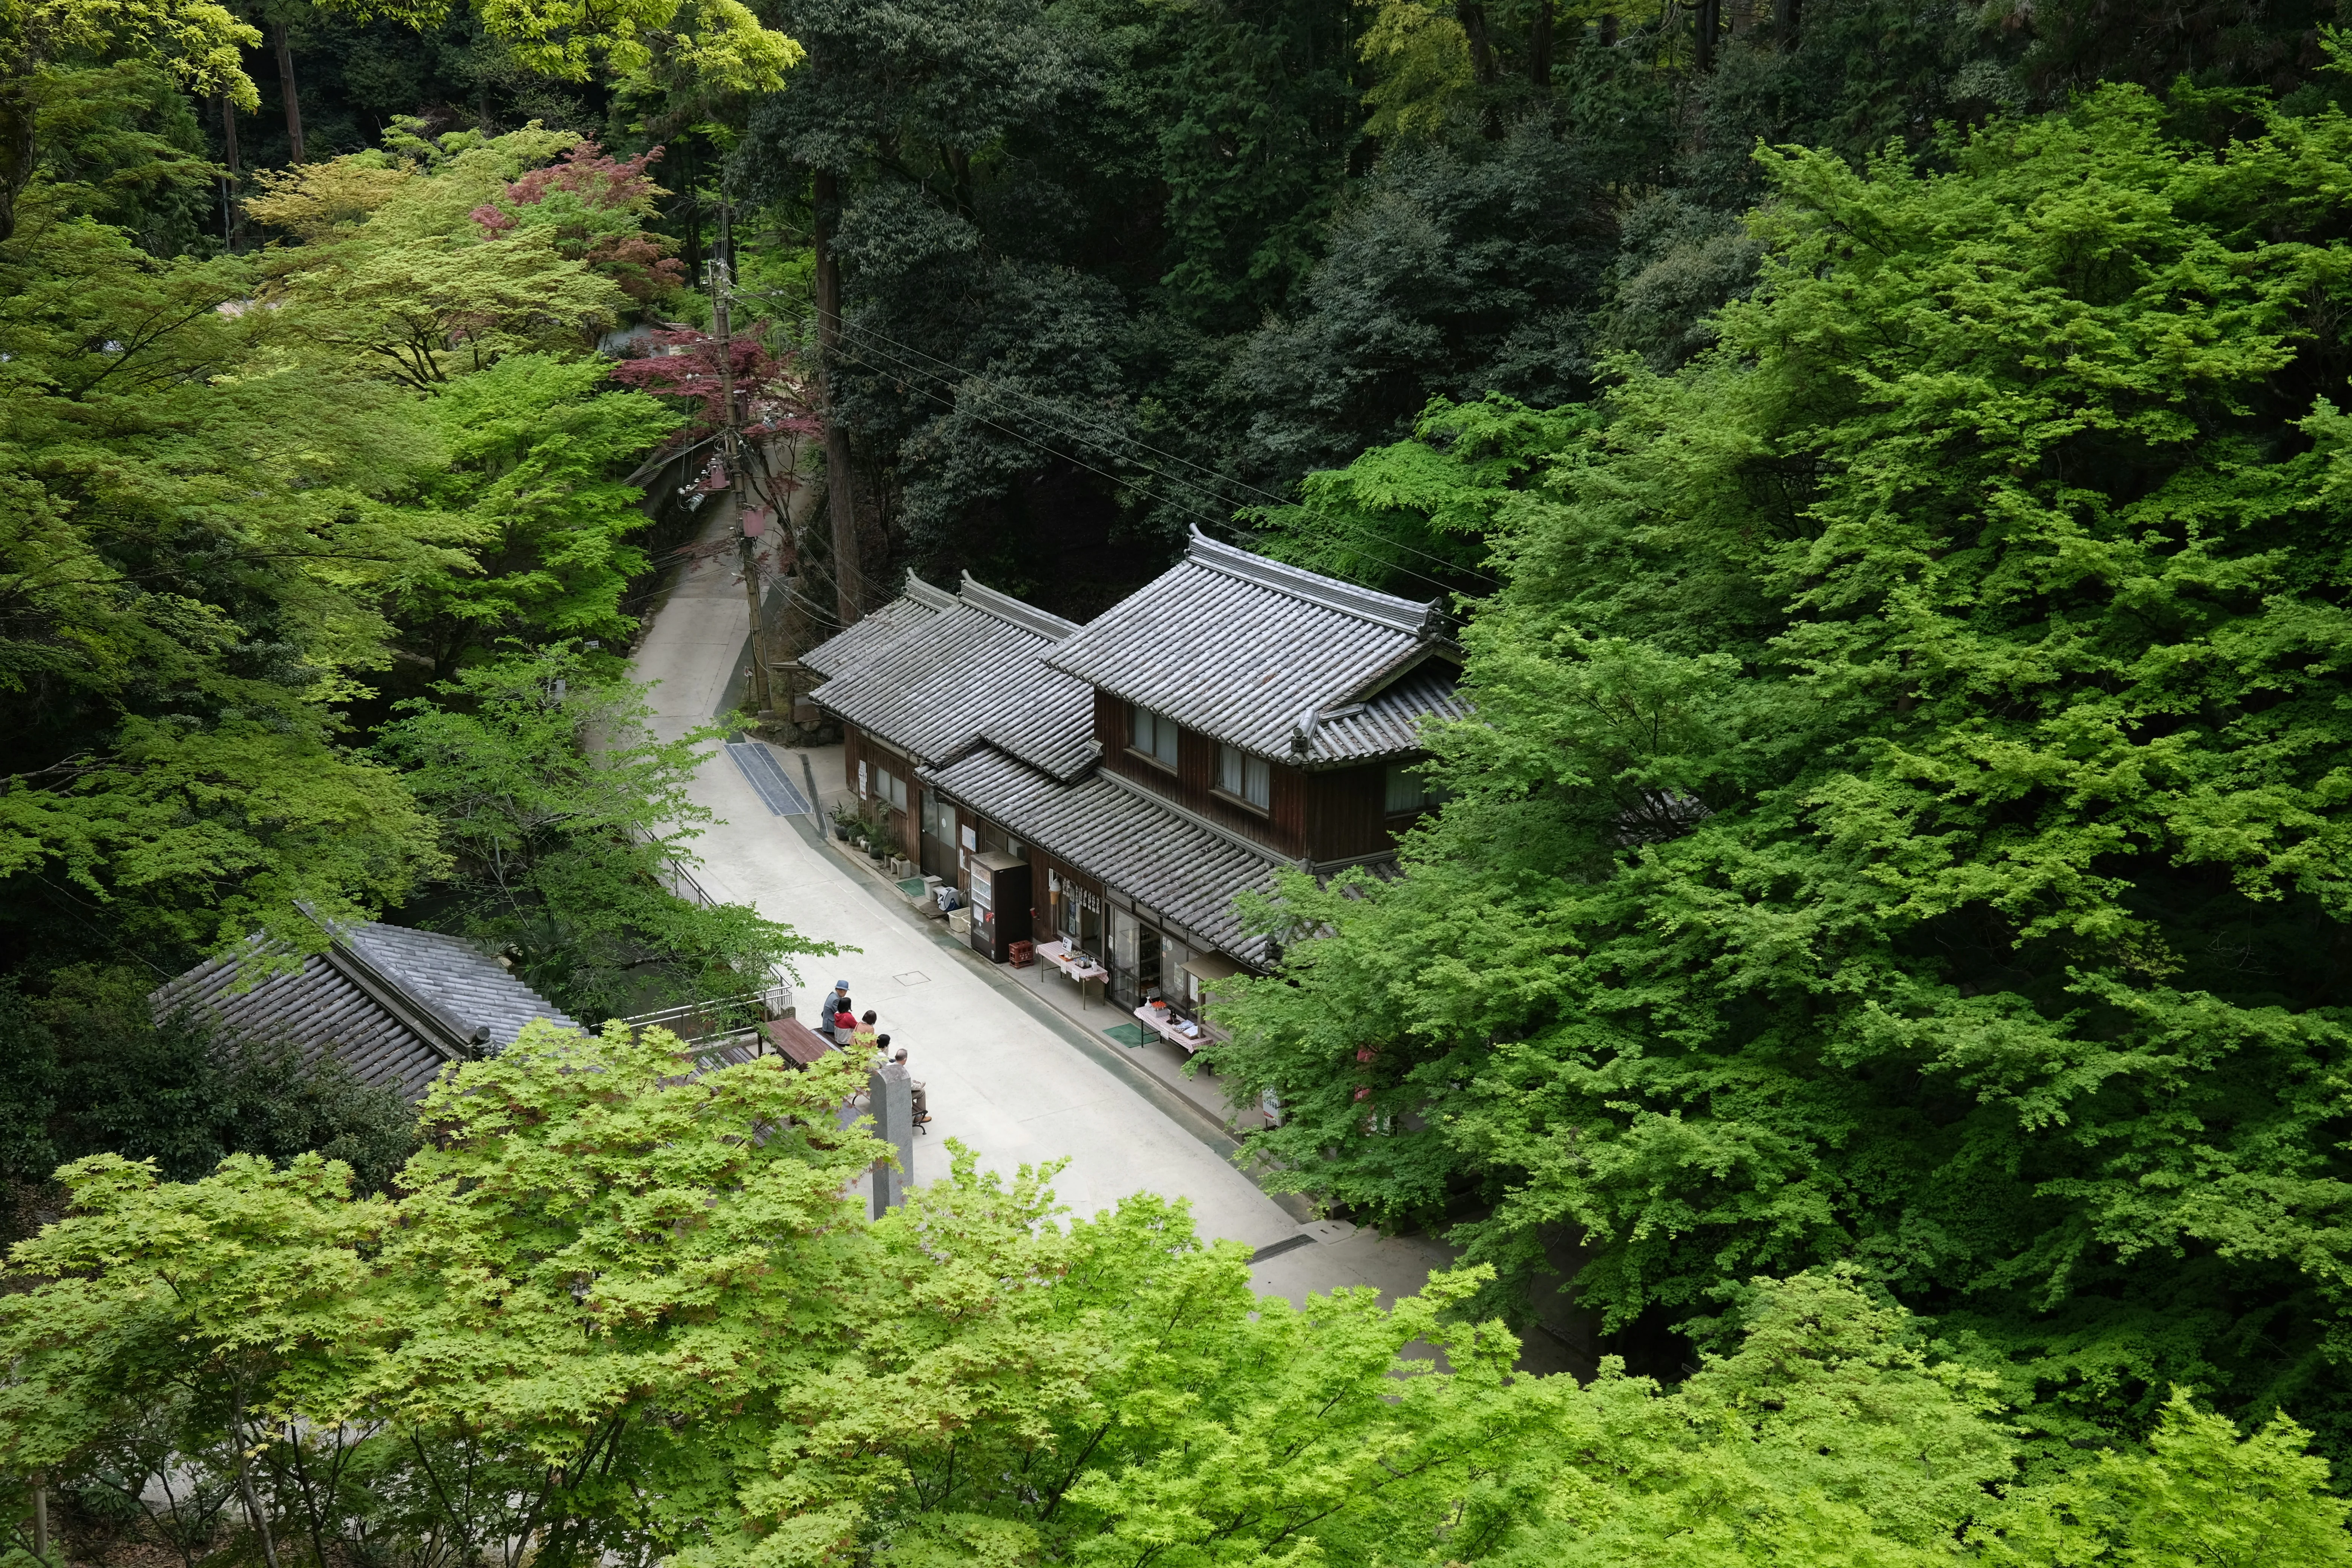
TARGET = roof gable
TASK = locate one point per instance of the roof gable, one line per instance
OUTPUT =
(949, 667)
(395, 1005)
(1252, 652)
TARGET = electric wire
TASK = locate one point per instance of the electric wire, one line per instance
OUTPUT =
(1067, 425)
(907, 368)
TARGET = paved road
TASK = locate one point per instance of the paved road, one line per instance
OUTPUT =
(1017, 1084)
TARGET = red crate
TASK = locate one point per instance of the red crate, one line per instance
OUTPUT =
(1020, 955)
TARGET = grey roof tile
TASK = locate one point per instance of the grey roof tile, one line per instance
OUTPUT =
(946, 670)
(1388, 724)
(847, 650)
(395, 1005)
(466, 984)
(1166, 862)
(1250, 651)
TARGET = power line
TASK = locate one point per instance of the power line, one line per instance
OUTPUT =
(1109, 446)
(1120, 434)
(906, 367)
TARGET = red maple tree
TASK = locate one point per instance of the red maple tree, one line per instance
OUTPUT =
(593, 201)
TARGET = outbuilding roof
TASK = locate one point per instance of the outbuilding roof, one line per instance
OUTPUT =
(1172, 865)
(1255, 652)
(932, 671)
(395, 1005)
(1389, 723)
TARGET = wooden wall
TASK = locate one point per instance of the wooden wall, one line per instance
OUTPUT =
(1282, 828)
(906, 827)
(1336, 814)
(1346, 813)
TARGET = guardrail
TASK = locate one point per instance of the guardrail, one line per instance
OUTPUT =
(715, 1017)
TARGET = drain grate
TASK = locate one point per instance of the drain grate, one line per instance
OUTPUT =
(766, 775)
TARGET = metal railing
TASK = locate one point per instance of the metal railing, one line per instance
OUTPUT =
(715, 1017)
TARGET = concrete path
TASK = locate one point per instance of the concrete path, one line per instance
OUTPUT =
(1006, 1075)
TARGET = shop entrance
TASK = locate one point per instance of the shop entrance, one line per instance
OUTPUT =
(1135, 953)
(938, 856)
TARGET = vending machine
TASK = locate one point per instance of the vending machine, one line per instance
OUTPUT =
(1000, 904)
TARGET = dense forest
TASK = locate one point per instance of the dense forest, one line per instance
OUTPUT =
(1872, 976)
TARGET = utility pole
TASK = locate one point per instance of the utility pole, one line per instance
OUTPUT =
(720, 273)
(841, 501)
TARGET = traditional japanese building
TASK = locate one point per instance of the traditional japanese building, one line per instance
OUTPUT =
(1235, 717)
(395, 1005)
(925, 676)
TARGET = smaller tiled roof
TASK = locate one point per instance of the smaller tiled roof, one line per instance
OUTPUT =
(847, 650)
(1388, 724)
(1047, 720)
(394, 1006)
(1252, 652)
(948, 669)
(1169, 863)
(458, 979)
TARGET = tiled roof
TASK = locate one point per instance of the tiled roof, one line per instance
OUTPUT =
(1169, 864)
(947, 670)
(847, 650)
(1250, 651)
(455, 977)
(395, 1005)
(1389, 723)
(1047, 720)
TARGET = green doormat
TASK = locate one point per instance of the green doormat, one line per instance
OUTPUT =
(1128, 1035)
(912, 887)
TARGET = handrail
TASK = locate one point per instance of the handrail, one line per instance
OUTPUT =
(775, 1002)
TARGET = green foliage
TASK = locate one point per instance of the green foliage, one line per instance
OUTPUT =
(1415, 516)
(629, 1310)
(190, 578)
(537, 445)
(197, 41)
(2197, 1494)
(89, 1070)
(1902, 818)
(396, 269)
(567, 823)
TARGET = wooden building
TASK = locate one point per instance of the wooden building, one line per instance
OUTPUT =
(923, 679)
(1235, 717)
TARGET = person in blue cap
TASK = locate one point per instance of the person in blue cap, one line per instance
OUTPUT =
(836, 1002)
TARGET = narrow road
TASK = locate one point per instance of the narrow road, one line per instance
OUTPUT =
(1019, 1086)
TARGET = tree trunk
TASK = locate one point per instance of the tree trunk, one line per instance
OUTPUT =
(1608, 30)
(232, 219)
(18, 149)
(1473, 17)
(246, 1493)
(286, 91)
(1788, 16)
(1539, 46)
(840, 499)
(1709, 15)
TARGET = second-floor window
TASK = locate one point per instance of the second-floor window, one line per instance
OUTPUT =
(1246, 778)
(1154, 734)
(1406, 791)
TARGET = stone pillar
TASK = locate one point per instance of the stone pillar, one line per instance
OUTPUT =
(893, 1099)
